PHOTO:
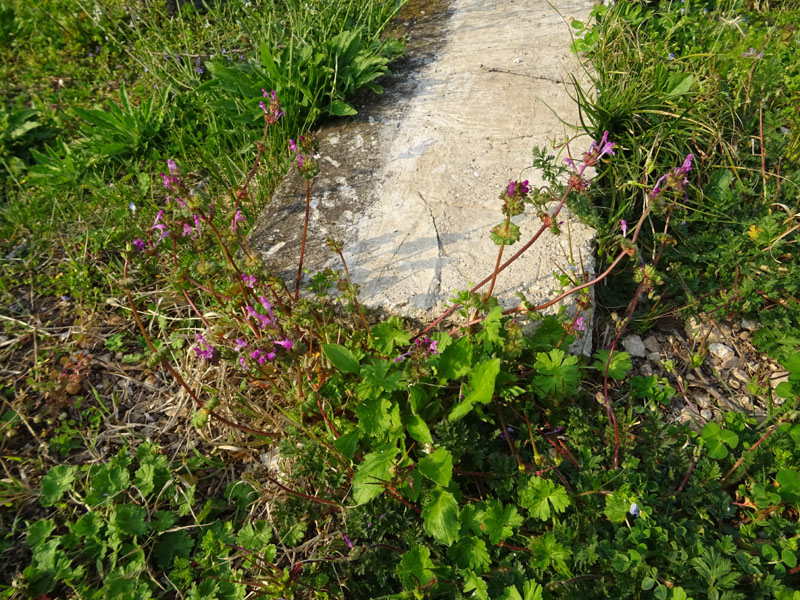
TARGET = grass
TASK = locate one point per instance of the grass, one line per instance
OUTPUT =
(164, 438)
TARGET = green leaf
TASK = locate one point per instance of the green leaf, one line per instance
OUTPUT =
(481, 388)
(438, 467)
(491, 329)
(347, 442)
(170, 545)
(470, 553)
(788, 484)
(341, 358)
(789, 558)
(388, 334)
(415, 568)
(418, 430)
(531, 591)
(476, 585)
(55, 483)
(39, 532)
(620, 364)
(617, 506)
(337, 108)
(440, 517)
(558, 374)
(256, 536)
(679, 84)
(129, 519)
(499, 521)
(540, 495)
(716, 439)
(373, 416)
(372, 473)
(455, 360)
(546, 552)
(376, 376)
(510, 593)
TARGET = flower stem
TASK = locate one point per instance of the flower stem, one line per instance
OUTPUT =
(303, 242)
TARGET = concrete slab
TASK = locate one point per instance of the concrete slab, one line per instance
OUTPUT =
(411, 184)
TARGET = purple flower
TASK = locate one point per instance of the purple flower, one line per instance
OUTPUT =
(166, 181)
(267, 306)
(243, 362)
(623, 225)
(258, 355)
(197, 225)
(139, 244)
(511, 188)
(300, 160)
(249, 280)
(187, 230)
(347, 541)
(204, 349)
(579, 326)
(508, 432)
(293, 146)
(241, 344)
(599, 149)
(271, 355)
(237, 217)
(286, 344)
(263, 320)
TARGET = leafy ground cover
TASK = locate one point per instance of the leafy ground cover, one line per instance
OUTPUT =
(179, 423)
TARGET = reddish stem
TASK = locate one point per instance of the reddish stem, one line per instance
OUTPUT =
(303, 242)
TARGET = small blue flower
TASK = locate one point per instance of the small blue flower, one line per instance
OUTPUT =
(671, 56)
(132, 206)
(634, 509)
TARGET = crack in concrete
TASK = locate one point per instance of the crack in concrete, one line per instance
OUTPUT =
(437, 270)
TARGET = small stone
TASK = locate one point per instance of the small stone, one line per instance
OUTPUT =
(749, 324)
(734, 384)
(703, 401)
(654, 357)
(697, 330)
(707, 414)
(646, 369)
(634, 346)
(734, 363)
(651, 343)
(740, 375)
(776, 381)
(720, 351)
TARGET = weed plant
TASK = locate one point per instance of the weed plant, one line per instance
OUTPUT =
(483, 461)
(717, 81)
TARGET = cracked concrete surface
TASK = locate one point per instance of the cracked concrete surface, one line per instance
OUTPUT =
(411, 184)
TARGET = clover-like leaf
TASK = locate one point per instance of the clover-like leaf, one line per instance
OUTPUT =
(373, 416)
(415, 569)
(388, 334)
(499, 521)
(558, 374)
(619, 366)
(716, 439)
(55, 483)
(542, 495)
(470, 553)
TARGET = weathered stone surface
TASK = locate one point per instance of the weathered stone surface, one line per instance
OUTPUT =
(634, 346)
(411, 184)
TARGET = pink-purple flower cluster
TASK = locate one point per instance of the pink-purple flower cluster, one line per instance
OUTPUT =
(676, 180)
(272, 112)
(203, 350)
